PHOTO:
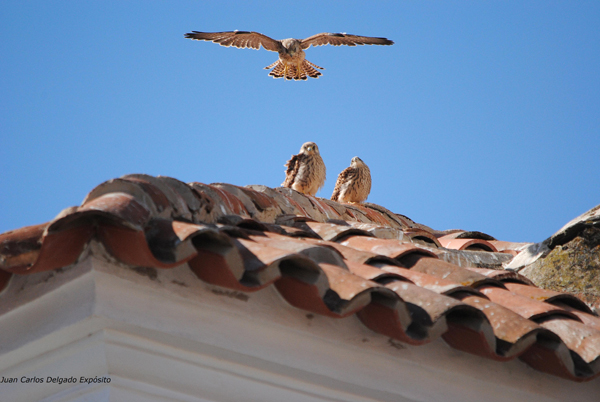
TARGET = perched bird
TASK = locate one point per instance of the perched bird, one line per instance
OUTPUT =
(306, 171)
(354, 183)
(291, 64)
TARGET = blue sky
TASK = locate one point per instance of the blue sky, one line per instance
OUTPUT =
(483, 115)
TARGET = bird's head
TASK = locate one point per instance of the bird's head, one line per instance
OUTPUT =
(292, 46)
(309, 148)
(357, 162)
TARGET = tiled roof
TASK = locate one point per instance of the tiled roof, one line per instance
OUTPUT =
(399, 278)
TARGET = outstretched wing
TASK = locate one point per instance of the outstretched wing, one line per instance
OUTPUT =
(347, 174)
(293, 166)
(239, 39)
(339, 39)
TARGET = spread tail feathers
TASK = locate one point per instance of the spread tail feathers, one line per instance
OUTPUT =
(291, 72)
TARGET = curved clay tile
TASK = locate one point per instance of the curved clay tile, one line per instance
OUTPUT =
(184, 192)
(163, 187)
(333, 291)
(579, 338)
(240, 196)
(261, 262)
(502, 275)
(406, 221)
(232, 202)
(20, 248)
(247, 265)
(513, 333)
(262, 202)
(430, 312)
(507, 246)
(118, 208)
(369, 215)
(349, 293)
(307, 205)
(326, 207)
(389, 248)
(210, 205)
(316, 252)
(291, 220)
(550, 355)
(524, 306)
(465, 234)
(480, 259)
(394, 220)
(136, 190)
(301, 224)
(548, 296)
(381, 232)
(424, 236)
(284, 203)
(163, 244)
(587, 318)
(467, 244)
(571, 350)
(358, 256)
(333, 232)
(374, 274)
(292, 231)
(445, 270)
(574, 227)
(433, 283)
(56, 250)
(243, 223)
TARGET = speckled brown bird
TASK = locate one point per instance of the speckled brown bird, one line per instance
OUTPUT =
(354, 183)
(292, 64)
(305, 171)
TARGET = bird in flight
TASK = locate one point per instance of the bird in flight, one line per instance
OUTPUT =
(292, 64)
(305, 171)
(354, 183)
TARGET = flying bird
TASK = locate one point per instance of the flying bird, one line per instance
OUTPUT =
(354, 183)
(291, 64)
(306, 171)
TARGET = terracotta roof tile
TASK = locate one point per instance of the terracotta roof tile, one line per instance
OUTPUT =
(321, 253)
(450, 272)
(280, 201)
(400, 279)
(502, 275)
(420, 235)
(428, 311)
(307, 205)
(587, 318)
(463, 234)
(381, 232)
(506, 246)
(548, 296)
(359, 256)
(387, 247)
(524, 306)
(330, 231)
(467, 244)
(376, 274)
(430, 282)
(56, 249)
(21, 248)
(513, 333)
